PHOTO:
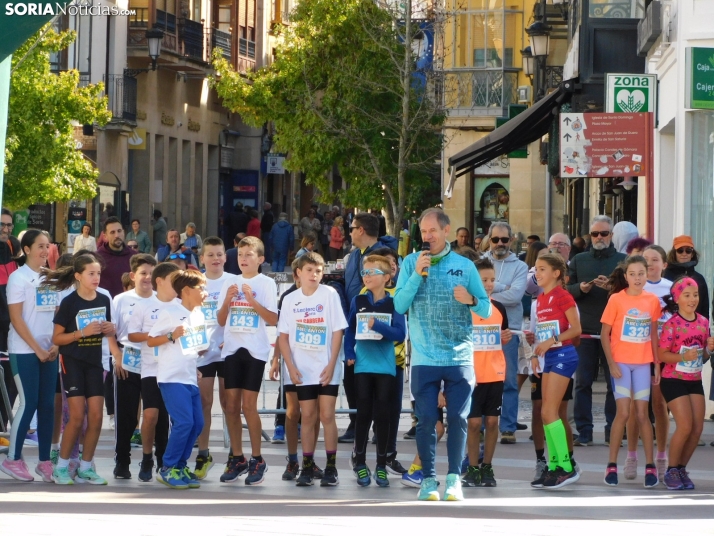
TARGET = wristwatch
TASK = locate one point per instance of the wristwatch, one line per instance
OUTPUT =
(555, 338)
(170, 336)
(474, 301)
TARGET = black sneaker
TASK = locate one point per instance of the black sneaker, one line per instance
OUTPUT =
(521, 427)
(559, 478)
(330, 477)
(306, 476)
(411, 433)
(291, 471)
(394, 467)
(541, 474)
(146, 469)
(234, 469)
(487, 478)
(256, 472)
(347, 437)
(472, 478)
(317, 473)
(121, 470)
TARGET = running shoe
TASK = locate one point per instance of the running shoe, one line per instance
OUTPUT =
(411, 433)
(73, 468)
(582, 442)
(508, 438)
(347, 437)
(90, 477)
(686, 481)
(661, 464)
(521, 427)
(171, 477)
(17, 469)
(256, 472)
(414, 479)
(330, 477)
(651, 477)
(673, 479)
(487, 478)
(31, 440)
(576, 467)
(611, 476)
(465, 465)
(428, 491)
(292, 470)
(541, 473)
(189, 478)
(306, 477)
(362, 474)
(203, 465)
(559, 478)
(453, 488)
(380, 476)
(234, 469)
(136, 439)
(121, 470)
(146, 470)
(44, 469)
(317, 473)
(112, 424)
(278, 434)
(393, 465)
(630, 468)
(54, 456)
(60, 476)
(472, 478)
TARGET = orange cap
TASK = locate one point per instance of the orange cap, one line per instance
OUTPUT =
(682, 241)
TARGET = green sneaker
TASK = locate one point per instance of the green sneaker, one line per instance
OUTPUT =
(60, 475)
(453, 488)
(472, 478)
(136, 439)
(428, 491)
(90, 477)
(54, 457)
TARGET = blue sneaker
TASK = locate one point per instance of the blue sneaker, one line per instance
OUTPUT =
(171, 477)
(413, 480)
(278, 435)
(189, 478)
(453, 488)
(362, 474)
(256, 472)
(380, 476)
(428, 491)
(465, 465)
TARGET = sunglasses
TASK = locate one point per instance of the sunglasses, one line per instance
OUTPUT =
(371, 271)
(175, 256)
(502, 239)
(595, 234)
(686, 250)
(353, 228)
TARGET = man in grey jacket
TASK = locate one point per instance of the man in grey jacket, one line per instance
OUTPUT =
(511, 279)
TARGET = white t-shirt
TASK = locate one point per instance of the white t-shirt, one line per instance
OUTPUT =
(146, 313)
(660, 289)
(310, 322)
(38, 309)
(210, 310)
(177, 360)
(244, 327)
(125, 304)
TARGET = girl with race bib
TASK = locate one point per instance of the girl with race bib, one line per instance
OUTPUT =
(32, 356)
(558, 323)
(628, 335)
(684, 346)
(180, 335)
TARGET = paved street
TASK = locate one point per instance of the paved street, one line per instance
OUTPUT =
(278, 507)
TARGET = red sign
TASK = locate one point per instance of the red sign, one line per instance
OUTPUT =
(605, 145)
(244, 188)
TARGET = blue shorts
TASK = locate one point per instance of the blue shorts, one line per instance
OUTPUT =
(562, 361)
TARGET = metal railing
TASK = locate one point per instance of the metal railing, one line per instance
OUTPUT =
(166, 21)
(483, 91)
(191, 39)
(220, 40)
(553, 76)
(246, 48)
(122, 93)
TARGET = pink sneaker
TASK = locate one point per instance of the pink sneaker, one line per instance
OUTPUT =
(17, 469)
(44, 469)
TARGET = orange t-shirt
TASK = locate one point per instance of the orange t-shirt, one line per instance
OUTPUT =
(489, 360)
(631, 320)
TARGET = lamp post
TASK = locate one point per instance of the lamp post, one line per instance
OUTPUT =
(528, 62)
(539, 37)
(154, 37)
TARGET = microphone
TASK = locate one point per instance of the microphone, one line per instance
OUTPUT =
(426, 246)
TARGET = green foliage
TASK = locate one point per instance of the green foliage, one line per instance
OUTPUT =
(42, 164)
(340, 92)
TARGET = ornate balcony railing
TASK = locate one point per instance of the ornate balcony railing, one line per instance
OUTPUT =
(479, 91)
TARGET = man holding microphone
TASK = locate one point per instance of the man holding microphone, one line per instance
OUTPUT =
(440, 289)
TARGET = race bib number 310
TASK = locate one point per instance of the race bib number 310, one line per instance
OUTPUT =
(486, 338)
(243, 320)
(636, 330)
(46, 300)
(309, 337)
(194, 340)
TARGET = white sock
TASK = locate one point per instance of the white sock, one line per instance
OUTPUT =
(85, 465)
(55, 446)
(62, 463)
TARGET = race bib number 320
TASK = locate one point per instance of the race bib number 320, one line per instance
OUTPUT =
(243, 320)
(46, 300)
(309, 337)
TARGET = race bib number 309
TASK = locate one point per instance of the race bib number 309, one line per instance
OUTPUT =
(309, 337)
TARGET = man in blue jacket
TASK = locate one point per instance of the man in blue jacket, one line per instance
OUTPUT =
(364, 233)
(440, 289)
(282, 242)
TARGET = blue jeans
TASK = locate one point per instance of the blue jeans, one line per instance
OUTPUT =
(183, 403)
(591, 356)
(458, 385)
(279, 260)
(509, 410)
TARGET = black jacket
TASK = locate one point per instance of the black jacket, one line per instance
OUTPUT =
(676, 270)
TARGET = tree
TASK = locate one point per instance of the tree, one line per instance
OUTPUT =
(42, 162)
(342, 91)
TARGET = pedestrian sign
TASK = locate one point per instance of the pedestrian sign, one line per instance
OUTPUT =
(630, 93)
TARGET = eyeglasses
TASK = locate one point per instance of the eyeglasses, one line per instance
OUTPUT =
(686, 250)
(175, 256)
(8, 225)
(502, 239)
(595, 234)
(353, 228)
(558, 245)
(371, 271)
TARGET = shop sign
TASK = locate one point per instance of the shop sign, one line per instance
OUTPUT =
(605, 145)
(700, 78)
(499, 167)
(275, 163)
(630, 93)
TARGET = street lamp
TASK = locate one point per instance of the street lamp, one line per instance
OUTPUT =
(528, 62)
(539, 37)
(154, 37)
(628, 184)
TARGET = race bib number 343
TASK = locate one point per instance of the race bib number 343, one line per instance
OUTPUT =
(46, 300)
(243, 320)
(309, 337)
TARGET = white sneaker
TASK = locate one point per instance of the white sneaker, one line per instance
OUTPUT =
(630, 468)
(111, 422)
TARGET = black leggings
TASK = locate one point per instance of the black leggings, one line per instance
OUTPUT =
(374, 398)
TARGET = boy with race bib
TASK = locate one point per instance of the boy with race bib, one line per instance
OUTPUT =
(489, 334)
(180, 335)
(311, 326)
(248, 304)
(629, 325)
(155, 418)
(210, 364)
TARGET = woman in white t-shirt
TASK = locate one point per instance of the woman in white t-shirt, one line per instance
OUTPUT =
(33, 357)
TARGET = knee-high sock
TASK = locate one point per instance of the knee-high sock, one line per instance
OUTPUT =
(558, 445)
